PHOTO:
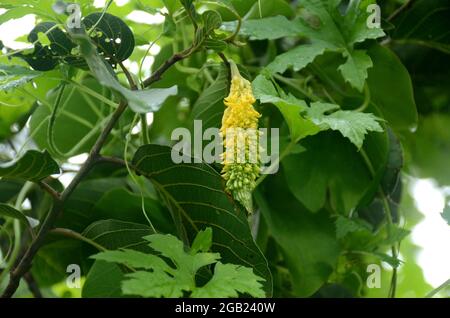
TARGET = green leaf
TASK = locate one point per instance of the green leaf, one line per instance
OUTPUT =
(332, 167)
(211, 21)
(113, 202)
(13, 76)
(351, 124)
(57, 47)
(228, 281)
(114, 234)
(51, 261)
(33, 166)
(389, 75)
(195, 195)
(14, 108)
(202, 242)
(111, 35)
(268, 8)
(298, 57)
(142, 101)
(424, 23)
(163, 280)
(209, 106)
(80, 209)
(9, 211)
(396, 235)
(307, 241)
(216, 45)
(355, 68)
(346, 225)
(103, 280)
(270, 28)
(290, 107)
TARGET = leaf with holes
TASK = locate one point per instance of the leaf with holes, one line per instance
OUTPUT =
(111, 35)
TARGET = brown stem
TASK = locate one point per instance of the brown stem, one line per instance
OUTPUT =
(32, 285)
(130, 80)
(156, 76)
(47, 188)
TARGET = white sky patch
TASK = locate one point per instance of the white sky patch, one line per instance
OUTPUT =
(102, 3)
(154, 50)
(146, 66)
(79, 159)
(99, 3)
(140, 16)
(138, 128)
(26, 204)
(432, 234)
(133, 67)
(149, 117)
(11, 30)
(66, 178)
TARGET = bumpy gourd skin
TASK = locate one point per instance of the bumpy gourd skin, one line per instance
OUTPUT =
(240, 134)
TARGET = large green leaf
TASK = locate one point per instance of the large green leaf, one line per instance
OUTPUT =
(115, 201)
(307, 240)
(114, 234)
(391, 89)
(195, 195)
(351, 124)
(332, 167)
(51, 262)
(425, 23)
(305, 121)
(111, 35)
(79, 209)
(103, 280)
(33, 166)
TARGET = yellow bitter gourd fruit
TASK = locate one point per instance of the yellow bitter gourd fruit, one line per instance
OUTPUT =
(240, 134)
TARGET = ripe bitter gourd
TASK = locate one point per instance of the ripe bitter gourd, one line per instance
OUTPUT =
(241, 159)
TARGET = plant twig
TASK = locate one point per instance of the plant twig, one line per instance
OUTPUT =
(400, 9)
(156, 76)
(437, 290)
(47, 188)
(129, 77)
(32, 285)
